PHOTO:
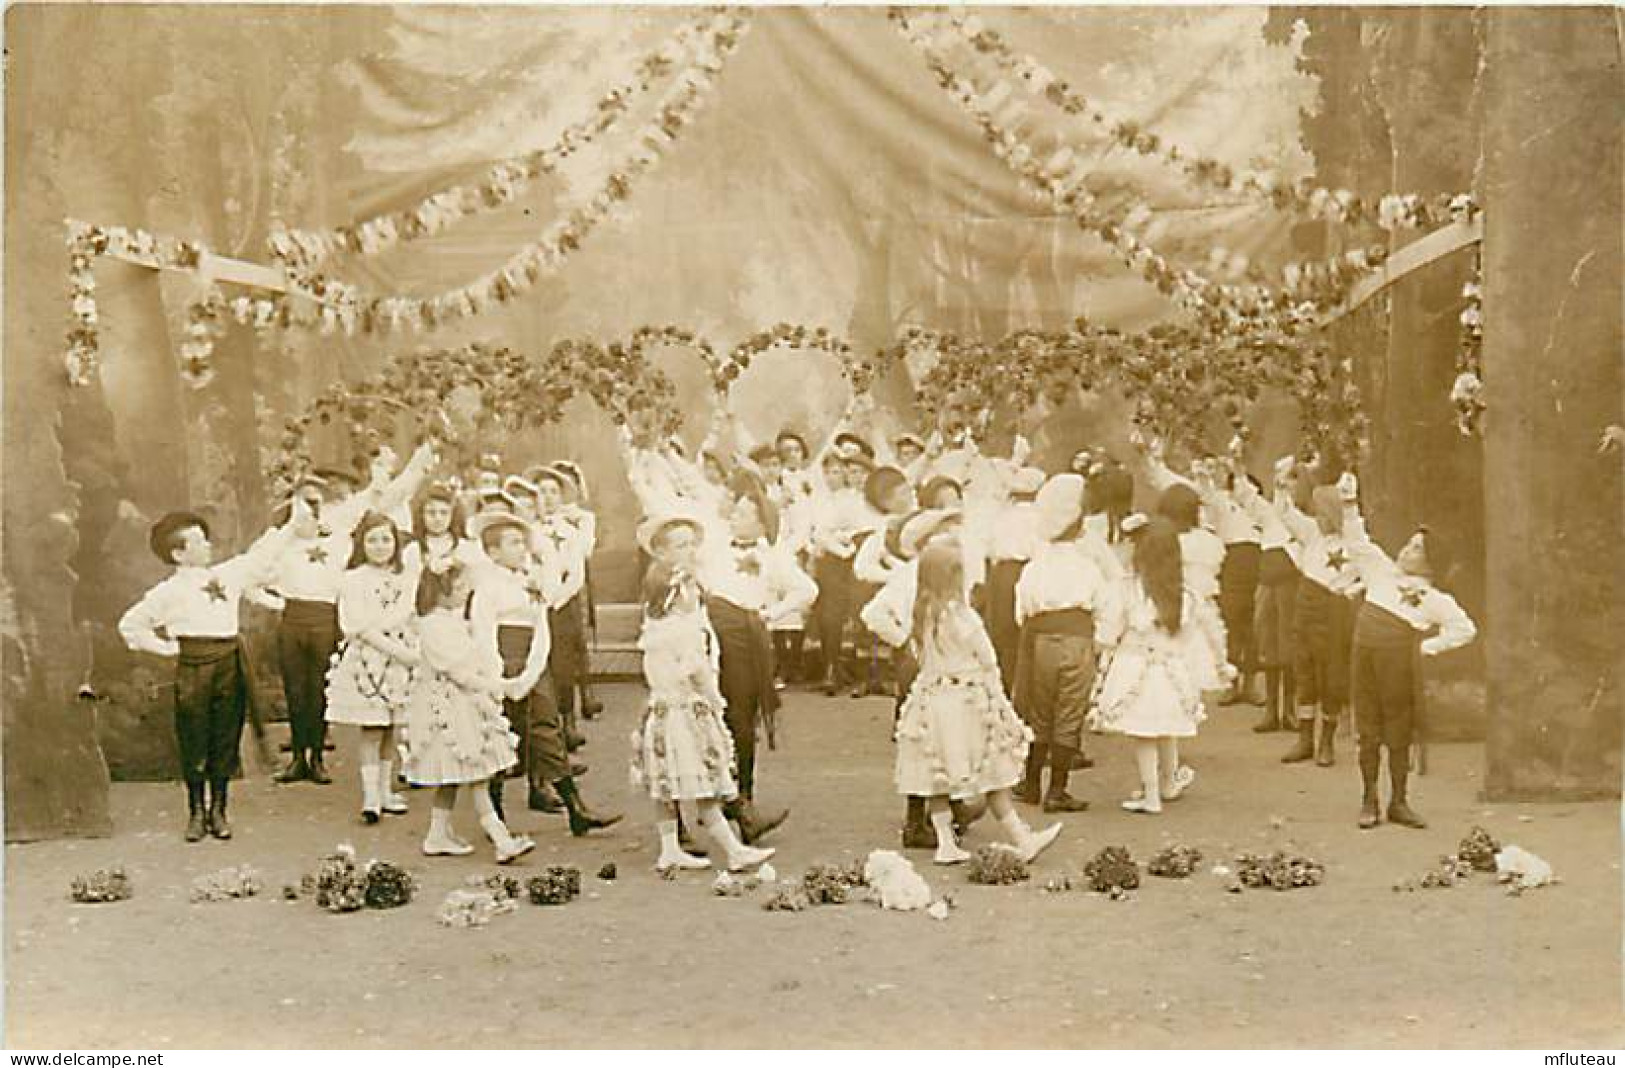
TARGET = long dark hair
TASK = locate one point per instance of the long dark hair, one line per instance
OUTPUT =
(1180, 505)
(941, 584)
(1160, 567)
(1111, 493)
(358, 551)
(444, 495)
(435, 591)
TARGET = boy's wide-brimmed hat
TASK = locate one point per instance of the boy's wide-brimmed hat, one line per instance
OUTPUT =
(921, 527)
(494, 520)
(650, 530)
(1058, 506)
(164, 531)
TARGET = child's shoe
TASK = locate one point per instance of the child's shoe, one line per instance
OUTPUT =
(950, 852)
(681, 861)
(746, 857)
(444, 845)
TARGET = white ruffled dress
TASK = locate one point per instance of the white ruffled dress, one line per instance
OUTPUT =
(366, 687)
(1151, 681)
(454, 735)
(682, 750)
(957, 734)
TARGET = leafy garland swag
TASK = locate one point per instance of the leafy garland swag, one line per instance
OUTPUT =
(1176, 396)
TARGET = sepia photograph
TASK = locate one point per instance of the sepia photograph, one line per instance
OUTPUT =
(775, 528)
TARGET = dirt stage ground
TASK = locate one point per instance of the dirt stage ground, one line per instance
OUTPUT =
(641, 962)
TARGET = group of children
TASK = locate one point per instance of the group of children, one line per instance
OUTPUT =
(456, 648)
(1020, 610)
(1009, 612)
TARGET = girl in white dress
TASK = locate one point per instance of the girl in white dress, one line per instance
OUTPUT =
(455, 733)
(683, 752)
(1151, 690)
(958, 737)
(370, 681)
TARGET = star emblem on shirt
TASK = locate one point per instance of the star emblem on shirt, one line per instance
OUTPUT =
(534, 591)
(1337, 559)
(316, 554)
(1412, 596)
(215, 590)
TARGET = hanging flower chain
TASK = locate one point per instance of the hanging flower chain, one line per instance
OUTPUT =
(340, 305)
(204, 325)
(305, 250)
(1045, 178)
(1393, 212)
(86, 242)
(1467, 392)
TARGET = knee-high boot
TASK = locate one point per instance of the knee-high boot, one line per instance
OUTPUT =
(1399, 809)
(1370, 766)
(197, 813)
(917, 833)
(1304, 748)
(582, 818)
(1060, 770)
(218, 824)
(1271, 720)
(1031, 790)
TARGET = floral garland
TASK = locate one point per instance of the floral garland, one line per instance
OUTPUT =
(1222, 306)
(341, 305)
(304, 250)
(204, 325)
(859, 372)
(516, 392)
(1467, 392)
(1174, 396)
(1393, 212)
(85, 242)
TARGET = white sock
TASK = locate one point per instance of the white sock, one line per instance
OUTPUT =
(948, 847)
(1015, 827)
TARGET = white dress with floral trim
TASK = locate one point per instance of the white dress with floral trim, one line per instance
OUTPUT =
(1151, 686)
(366, 687)
(682, 750)
(455, 734)
(957, 733)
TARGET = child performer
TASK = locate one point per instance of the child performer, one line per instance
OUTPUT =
(1403, 618)
(1010, 546)
(561, 546)
(1277, 595)
(958, 736)
(192, 616)
(1321, 617)
(308, 574)
(1149, 691)
(838, 516)
(746, 583)
(370, 682)
(581, 519)
(438, 531)
(890, 616)
(1202, 555)
(683, 752)
(1060, 593)
(509, 612)
(890, 497)
(455, 732)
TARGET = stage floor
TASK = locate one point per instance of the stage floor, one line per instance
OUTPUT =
(643, 962)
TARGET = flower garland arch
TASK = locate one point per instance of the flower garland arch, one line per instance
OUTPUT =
(514, 391)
